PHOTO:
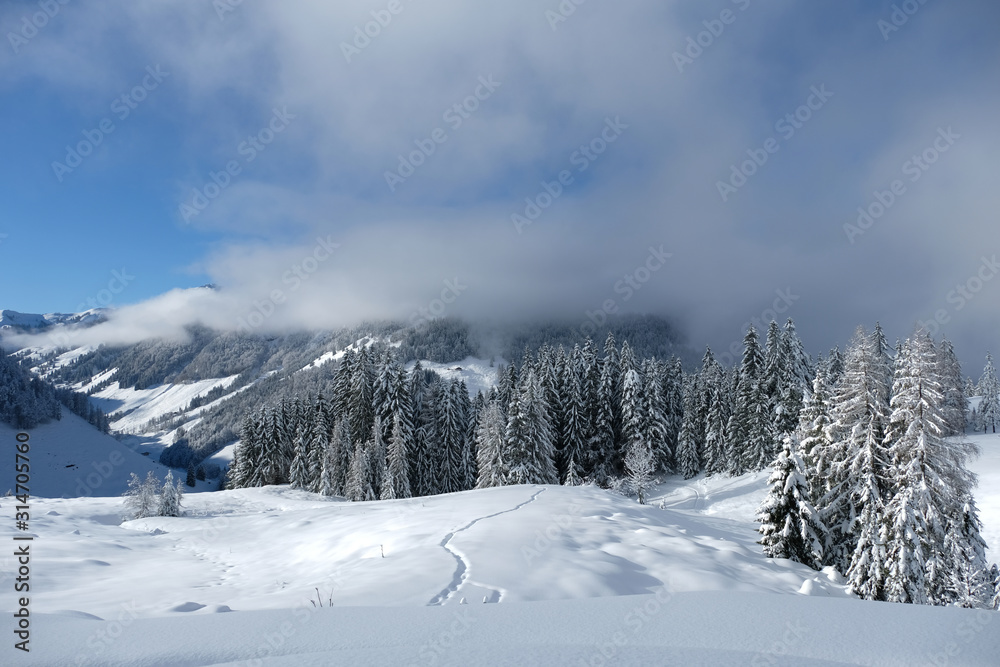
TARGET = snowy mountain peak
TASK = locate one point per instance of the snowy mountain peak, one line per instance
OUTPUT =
(12, 319)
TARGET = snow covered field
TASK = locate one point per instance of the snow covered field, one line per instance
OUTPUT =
(569, 576)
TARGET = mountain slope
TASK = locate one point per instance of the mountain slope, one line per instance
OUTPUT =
(70, 458)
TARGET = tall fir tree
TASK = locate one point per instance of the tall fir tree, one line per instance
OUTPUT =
(688, 456)
(360, 404)
(397, 480)
(602, 444)
(931, 482)
(813, 431)
(528, 451)
(857, 465)
(376, 450)
(673, 392)
(717, 401)
(574, 420)
(633, 418)
(358, 484)
(955, 405)
(751, 428)
(989, 404)
(795, 382)
(170, 497)
(790, 525)
(298, 476)
(490, 436)
(774, 375)
(656, 426)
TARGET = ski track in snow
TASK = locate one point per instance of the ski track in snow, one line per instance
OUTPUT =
(462, 570)
(690, 502)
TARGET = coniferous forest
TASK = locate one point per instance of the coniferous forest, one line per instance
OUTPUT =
(866, 476)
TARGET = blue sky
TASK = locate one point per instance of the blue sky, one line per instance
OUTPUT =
(343, 125)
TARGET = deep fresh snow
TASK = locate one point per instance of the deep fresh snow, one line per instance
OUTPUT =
(566, 573)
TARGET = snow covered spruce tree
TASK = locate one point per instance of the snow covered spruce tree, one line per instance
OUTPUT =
(813, 433)
(932, 516)
(796, 380)
(142, 498)
(656, 423)
(774, 378)
(376, 450)
(527, 449)
(396, 483)
(790, 525)
(146, 498)
(298, 474)
(719, 400)
(856, 470)
(688, 456)
(751, 428)
(170, 497)
(633, 416)
(358, 486)
(603, 437)
(956, 404)
(490, 436)
(575, 416)
(989, 404)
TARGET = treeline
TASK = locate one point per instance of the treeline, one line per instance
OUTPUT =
(383, 432)
(868, 484)
(27, 401)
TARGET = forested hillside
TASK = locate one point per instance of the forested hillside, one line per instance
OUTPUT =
(27, 401)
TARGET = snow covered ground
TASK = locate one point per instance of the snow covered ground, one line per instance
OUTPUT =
(549, 575)
(569, 576)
